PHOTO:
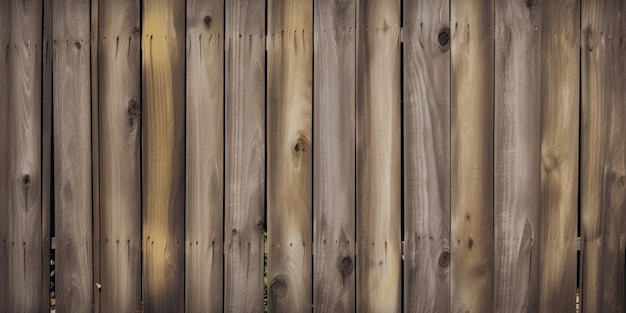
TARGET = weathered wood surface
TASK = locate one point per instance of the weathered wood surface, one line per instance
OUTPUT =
(378, 274)
(95, 152)
(472, 93)
(5, 166)
(517, 155)
(560, 38)
(603, 156)
(426, 122)
(289, 154)
(163, 155)
(72, 155)
(119, 102)
(245, 156)
(334, 156)
(205, 156)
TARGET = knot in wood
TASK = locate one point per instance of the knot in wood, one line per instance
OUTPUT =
(77, 44)
(443, 37)
(346, 266)
(444, 259)
(134, 111)
(207, 21)
(26, 181)
(278, 288)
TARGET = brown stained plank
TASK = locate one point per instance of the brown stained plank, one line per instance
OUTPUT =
(334, 156)
(560, 32)
(378, 157)
(517, 152)
(5, 165)
(205, 156)
(472, 82)
(289, 154)
(119, 249)
(245, 156)
(427, 156)
(603, 156)
(72, 156)
(163, 155)
(95, 152)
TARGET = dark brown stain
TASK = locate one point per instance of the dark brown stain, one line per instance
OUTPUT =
(207, 21)
(26, 182)
(470, 243)
(78, 45)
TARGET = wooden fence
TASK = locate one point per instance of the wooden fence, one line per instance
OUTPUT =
(400, 155)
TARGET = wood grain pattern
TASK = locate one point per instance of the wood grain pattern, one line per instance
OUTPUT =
(472, 82)
(426, 122)
(72, 156)
(119, 99)
(245, 156)
(378, 157)
(47, 190)
(334, 156)
(163, 155)
(95, 151)
(5, 165)
(603, 156)
(289, 154)
(560, 44)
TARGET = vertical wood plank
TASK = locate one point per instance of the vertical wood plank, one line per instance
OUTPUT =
(5, 207)
(205, 156)
(72, 155)
(378, 157)
(472, 156)
(163, 155)
(334, 156)
(603, 154)
(46, 154)
(426, 156)
(517, 152)
(119, 87)
(560, 44)
(95, 151)
(289, 154)
(245, 156)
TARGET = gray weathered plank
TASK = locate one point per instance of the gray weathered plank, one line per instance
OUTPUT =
(46, 154)
(5, 166)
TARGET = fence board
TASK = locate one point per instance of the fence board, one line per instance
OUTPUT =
(560, 34)
(95, 152)
(472, 156)
(334, 156)
(603, 154)
(163, 155)
(72, 156)
(378, 157)
(5, 165)
(245, 156)
(517, 155)
(426, 122)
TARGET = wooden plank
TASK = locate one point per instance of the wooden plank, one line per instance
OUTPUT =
(119, 250)
(205, 156)
(245, 156)
(95, 152)
(560, 44)
(47, 191)
(72, 156)
(603, 154)
(378, 157)
(163, 155)
(289, 154)
(334, 156)
(426, 156)
(472, 82)
(5, 165)
(517, 155)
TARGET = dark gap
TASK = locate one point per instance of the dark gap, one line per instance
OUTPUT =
(579, 243)
(184, 181)
(265, 261)
(313, 149)
(402, 208)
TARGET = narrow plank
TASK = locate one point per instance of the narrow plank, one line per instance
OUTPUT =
(560, 44)
(289, 154)
(472, 82)
(95, 151)
(163, 155)
(119, 87)
(426, 123)
(378, 157)
(245, 156)
(603, 154)
(72, 156)
(334, 156)
(517, 155)
(205, 156)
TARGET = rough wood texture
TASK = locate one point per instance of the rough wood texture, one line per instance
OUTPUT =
(5, 165)
(163, 154)
(205, 156)
(289, 154)
(245, 156)
(426, 143)
(560, 32)
(334, 156)
(119, 250)
(472, 156)
(72, 156)
(603, 155)
(378, 157)
(517, 155)
(95, 152)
